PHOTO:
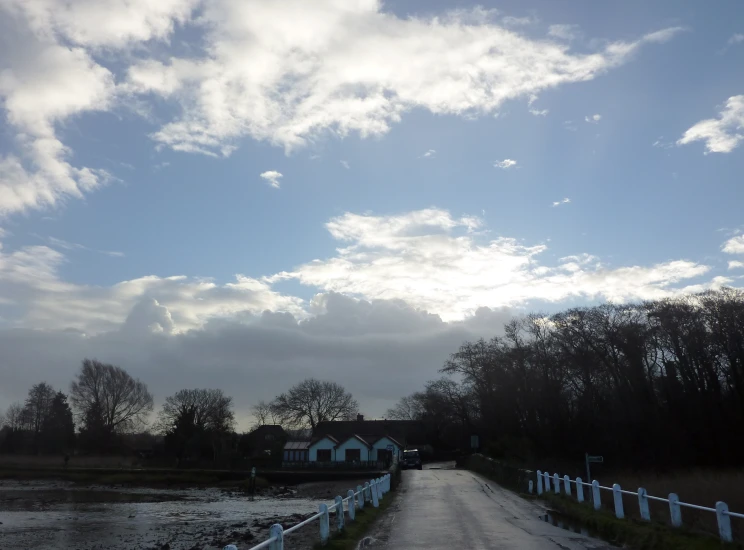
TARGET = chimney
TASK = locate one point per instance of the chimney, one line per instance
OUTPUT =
(360, 418)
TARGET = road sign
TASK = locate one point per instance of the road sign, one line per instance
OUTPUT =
(591, 459)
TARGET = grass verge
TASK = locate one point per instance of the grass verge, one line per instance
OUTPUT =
(355, 530)
(633, 533)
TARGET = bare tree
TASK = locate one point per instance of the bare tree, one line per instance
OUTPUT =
(16, 417)
(313, 401)
(39, 405)
(263, 414)
(107, 398)
(409, 407)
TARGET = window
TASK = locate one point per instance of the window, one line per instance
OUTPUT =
(324, 455)
(353, 455)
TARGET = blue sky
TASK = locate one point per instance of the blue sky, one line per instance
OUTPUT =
(429, 141)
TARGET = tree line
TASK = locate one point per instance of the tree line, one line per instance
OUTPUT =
(107, 410)
(655, 384)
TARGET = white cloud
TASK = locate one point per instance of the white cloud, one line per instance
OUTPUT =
(593, 119)
(564, 32)
(532, 110)
(735, 245)
(334, 67)
(431, 153)
(661, 144)
(721, 135)
(511, 21)
(339, 67)
(49, 75)
(737, 38)
(272, 177)
(735, 264)
(66, 245)
(41, 84)
(560, 202)
(29, 279)
(570, 125)
(345, 164)
(505, 164)
(434, 262)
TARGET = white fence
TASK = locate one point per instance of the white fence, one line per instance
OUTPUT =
(723, 516)
(372, 492)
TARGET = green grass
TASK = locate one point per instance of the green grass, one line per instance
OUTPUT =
(633, 533)
(355, 530)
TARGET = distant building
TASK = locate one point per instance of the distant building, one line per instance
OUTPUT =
(368, 443)
(296, 452)
(355, 449)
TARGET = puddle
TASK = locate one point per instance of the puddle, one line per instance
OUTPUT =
(559, 520)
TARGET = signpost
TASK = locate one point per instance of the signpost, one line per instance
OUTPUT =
(589, 458)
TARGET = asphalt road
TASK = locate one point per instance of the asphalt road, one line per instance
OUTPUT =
(442, 508)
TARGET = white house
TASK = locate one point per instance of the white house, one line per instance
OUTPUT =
(323, 450)
(354, 448)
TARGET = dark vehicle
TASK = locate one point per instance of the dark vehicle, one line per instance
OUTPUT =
(410, 459)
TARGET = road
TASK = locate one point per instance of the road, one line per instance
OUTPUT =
(442, 508)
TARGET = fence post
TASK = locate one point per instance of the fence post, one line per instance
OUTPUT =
(547, 482)
(339, 513)
(373, 488)
(539, 482)
(531, 487)
(643, 504)
(325, 523)
(387, 483)
(618, 496)
(367, 492)
(567, 484)
(278, 532)
(351, 500)
(360, 497)
(378, 484)
(596, 497)
(675, 511)
(579, 490)
(724, 522)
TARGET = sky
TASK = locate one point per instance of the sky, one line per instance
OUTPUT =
(244, 194)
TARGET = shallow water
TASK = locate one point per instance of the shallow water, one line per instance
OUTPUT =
(59, 515)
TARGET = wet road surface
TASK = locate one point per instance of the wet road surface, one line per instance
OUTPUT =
(442, 508)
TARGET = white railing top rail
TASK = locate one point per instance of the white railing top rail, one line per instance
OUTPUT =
(372, 492)
(723, 515)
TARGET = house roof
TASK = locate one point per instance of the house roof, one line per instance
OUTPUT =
(322, 437)
(296, 445)
(376, 439)
(405, 432)
(355, 436)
